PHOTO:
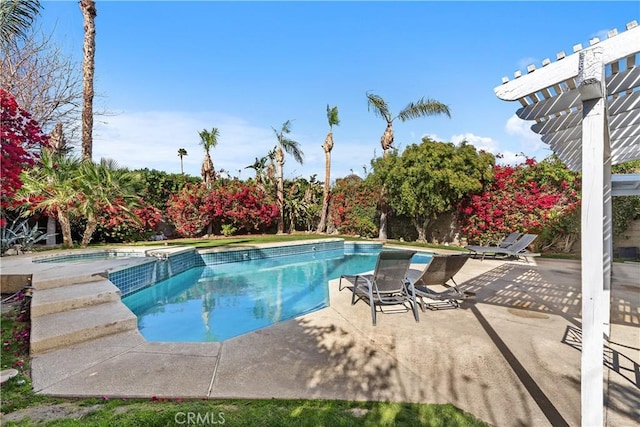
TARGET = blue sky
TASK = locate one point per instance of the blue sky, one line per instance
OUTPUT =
(167, 70)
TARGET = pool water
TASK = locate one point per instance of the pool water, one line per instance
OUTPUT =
(218, 302)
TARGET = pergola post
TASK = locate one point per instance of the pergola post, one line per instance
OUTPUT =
(596, 269)
(591, 121)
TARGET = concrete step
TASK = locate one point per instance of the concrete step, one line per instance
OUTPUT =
(71, 297)
(82, 324)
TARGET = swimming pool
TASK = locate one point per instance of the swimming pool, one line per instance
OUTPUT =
(218, 302)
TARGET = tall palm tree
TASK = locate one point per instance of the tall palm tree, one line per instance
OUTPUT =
(16, 17)
(285, 144)
(332, 118)
(181, 153)
(88, 8)
(208, 140)
(423, 107)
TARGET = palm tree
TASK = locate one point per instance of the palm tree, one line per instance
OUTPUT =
(285, 144)
(332, 118)
(423, 107)
(181, 153)
(16, 17)
(103, 184)
(53, 187)
(208, 140)
(88, 8)
(58, 146)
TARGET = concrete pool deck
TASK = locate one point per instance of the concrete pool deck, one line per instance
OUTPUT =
(510, 356)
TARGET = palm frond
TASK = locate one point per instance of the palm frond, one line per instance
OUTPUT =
(332, 116)
(293, 147)
(16, 16)
(423, 107)
(208, 139)
(379, 106)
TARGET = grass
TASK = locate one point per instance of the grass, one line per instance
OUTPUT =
(17, 395)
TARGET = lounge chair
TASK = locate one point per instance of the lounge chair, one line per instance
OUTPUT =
(509, 240)
(386, 286)
(516, 249)
(439, 272)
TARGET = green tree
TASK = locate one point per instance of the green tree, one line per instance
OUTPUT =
(208, 140)
(421, 108)
(16, 17)
(431, 178)
(332, 118)
(292, 147)
(181, 153)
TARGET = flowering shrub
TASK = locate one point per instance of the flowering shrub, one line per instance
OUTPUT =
(19, 136)
(240, 206)
(353, 206)
(117, 225)
(187, 210)
(540, 198)
(233, 204)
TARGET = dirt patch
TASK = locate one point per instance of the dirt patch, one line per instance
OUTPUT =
(45, 413)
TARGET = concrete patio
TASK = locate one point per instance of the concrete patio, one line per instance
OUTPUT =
(510, 356)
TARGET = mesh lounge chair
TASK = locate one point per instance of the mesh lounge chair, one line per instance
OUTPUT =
(439, 272)
(386, 286)
(516, 249)
(509, 240)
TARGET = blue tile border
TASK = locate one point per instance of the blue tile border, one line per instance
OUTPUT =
(163, 265)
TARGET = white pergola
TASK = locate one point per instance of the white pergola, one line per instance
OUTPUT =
(586, 107)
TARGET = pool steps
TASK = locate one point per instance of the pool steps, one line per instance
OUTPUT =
(72, 296)
(66, 328)
(77, 312)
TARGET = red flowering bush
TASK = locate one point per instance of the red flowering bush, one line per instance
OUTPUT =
(117, 225)
(20, 136)
(241, 206)
(187, 210)
(540, 198)
(353, 207)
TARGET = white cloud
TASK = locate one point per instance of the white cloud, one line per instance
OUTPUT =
(529, 140)
(151, 139)
(480, 142)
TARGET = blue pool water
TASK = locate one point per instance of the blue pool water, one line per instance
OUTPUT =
(218, 302)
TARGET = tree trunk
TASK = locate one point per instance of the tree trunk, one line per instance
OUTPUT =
(65, 226)
(382, 233)
(280, 190)
(325, 199)
(384, 211)
(88, 8)
(51, 231)
(386, 141)
(92, 224)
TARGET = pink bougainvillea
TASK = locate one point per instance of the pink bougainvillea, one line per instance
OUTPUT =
(529, 197)
(20, 138)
